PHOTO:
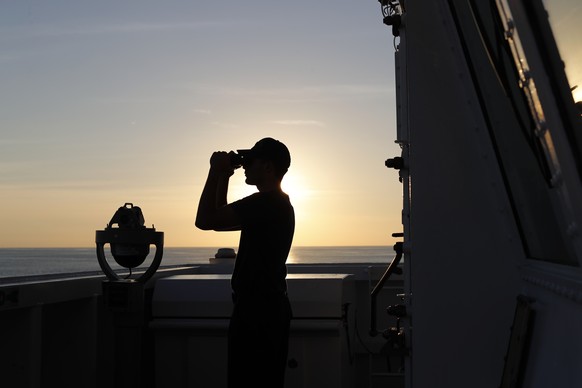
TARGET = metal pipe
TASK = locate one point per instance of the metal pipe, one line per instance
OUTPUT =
(374, 295)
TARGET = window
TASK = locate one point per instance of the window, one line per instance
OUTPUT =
(516, 114)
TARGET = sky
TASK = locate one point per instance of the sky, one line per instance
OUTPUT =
(564, 17)
(107, 102)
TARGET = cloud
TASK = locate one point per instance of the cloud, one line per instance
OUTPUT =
(299, 123)
(225, 125)
(300, 93)
(60, 30)
(138, 27)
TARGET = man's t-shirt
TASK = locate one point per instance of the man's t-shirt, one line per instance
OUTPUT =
(267, 227)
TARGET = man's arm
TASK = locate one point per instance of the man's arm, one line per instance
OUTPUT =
(213, 210)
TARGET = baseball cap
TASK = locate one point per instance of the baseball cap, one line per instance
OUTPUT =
(271, 150)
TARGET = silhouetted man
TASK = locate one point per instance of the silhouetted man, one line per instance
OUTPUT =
(258, 333)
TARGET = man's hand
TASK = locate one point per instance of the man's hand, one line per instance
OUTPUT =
(220, 163)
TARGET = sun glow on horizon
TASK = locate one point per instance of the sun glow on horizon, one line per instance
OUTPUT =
(294, 185)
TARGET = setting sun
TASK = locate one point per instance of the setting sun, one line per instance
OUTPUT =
(294, 185)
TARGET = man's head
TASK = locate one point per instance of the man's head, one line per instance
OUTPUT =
(269, 150)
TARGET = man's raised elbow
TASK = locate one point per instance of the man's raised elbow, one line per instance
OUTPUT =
(200, 224)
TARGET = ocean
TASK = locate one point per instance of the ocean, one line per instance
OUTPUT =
(44, 261)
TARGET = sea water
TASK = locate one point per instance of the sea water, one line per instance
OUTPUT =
(43, 261)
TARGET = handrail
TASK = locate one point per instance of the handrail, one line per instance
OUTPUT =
(393, 267)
